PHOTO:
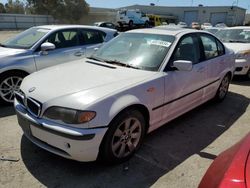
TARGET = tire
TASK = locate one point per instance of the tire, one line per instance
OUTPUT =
(123, 138)
(9, 83)
(248, 75)
(130, 24)
(223, 89)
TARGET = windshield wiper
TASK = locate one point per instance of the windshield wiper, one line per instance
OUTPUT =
(96, 58)
(116, 62)
(241, 41)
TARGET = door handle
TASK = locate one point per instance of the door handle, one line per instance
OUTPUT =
(78, 54)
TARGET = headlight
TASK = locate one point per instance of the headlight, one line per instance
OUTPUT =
(242, 54)
(69, 116)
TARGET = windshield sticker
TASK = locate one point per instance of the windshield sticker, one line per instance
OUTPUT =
(43, 30)
(159, 43)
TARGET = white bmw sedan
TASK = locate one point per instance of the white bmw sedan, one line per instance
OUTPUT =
(104, 105)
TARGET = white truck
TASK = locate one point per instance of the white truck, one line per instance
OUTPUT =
(132, 17)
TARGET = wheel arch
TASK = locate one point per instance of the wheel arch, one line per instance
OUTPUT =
(25, 73)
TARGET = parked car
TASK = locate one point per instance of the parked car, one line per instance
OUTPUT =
(43, 46)
(105, 104)
(231, 168)
(206, 26)
(105, 24)
(238, 39)
(195, 25)
(131, 17)
(222, 25)
(182, 25)
(212, 30)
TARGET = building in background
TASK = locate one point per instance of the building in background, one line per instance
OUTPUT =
(230, 15)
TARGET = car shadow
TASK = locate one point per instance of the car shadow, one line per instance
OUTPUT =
(162, 150)
(241, 80)
(6, 110)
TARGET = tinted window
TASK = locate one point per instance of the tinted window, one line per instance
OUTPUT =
(64, 39)
(210, 46)
(221, 49)
(91, 37)
(187, 49)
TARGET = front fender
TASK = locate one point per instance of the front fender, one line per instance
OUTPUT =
(108, 109)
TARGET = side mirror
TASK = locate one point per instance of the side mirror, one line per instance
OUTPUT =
(183, 65)
(47, 46)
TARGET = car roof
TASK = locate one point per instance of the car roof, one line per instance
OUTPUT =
(165, 31)
(57, 27)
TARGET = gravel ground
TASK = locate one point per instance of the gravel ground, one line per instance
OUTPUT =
(175, 156)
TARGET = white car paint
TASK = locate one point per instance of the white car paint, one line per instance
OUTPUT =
(242, 62)
(108, 89)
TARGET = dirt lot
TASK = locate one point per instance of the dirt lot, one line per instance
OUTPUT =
(176, 155)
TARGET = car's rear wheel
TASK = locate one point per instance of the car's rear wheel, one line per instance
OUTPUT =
(9, 83)
(124, 137)
(223, 88)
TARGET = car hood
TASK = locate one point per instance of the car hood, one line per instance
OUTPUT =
(237, 47)
(4, 52)
(82, 76)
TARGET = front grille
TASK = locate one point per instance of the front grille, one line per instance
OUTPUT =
(20, 97)
(33, 106)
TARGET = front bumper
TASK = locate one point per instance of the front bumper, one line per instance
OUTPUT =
(72, 143)
(242, 67)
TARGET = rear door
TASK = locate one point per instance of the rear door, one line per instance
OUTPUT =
(214, 58)
(91, 39)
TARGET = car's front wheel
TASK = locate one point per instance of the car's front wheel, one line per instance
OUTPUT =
(124, 137)
(9, 83)
(223, 88)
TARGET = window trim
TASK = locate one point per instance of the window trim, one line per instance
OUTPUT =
(93, 30)
(216, 42)
(38, 49)
(167, 67)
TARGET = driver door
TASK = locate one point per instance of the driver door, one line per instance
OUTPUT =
(184, 89)
(67, 49)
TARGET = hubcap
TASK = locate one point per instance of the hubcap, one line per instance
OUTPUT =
(8, 87)
(224, 87)
(126, 137)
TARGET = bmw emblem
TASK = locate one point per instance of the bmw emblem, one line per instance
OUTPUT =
(32, 89)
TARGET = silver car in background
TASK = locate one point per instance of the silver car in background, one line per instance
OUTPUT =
(44, 46)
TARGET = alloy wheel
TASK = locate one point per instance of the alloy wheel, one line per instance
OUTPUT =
(126, 137)
(8, 87)
(224, 87)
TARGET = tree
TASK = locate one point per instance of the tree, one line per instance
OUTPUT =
(2, 8)
(70, 10)
(14, 7)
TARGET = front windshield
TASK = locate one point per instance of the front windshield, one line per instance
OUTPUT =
(137, 50)
(234, 35)
(26, 39)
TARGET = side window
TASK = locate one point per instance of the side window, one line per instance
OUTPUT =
(221, 49)
(210, 46)
(64, 39)
(187, 49)
(91, 37)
